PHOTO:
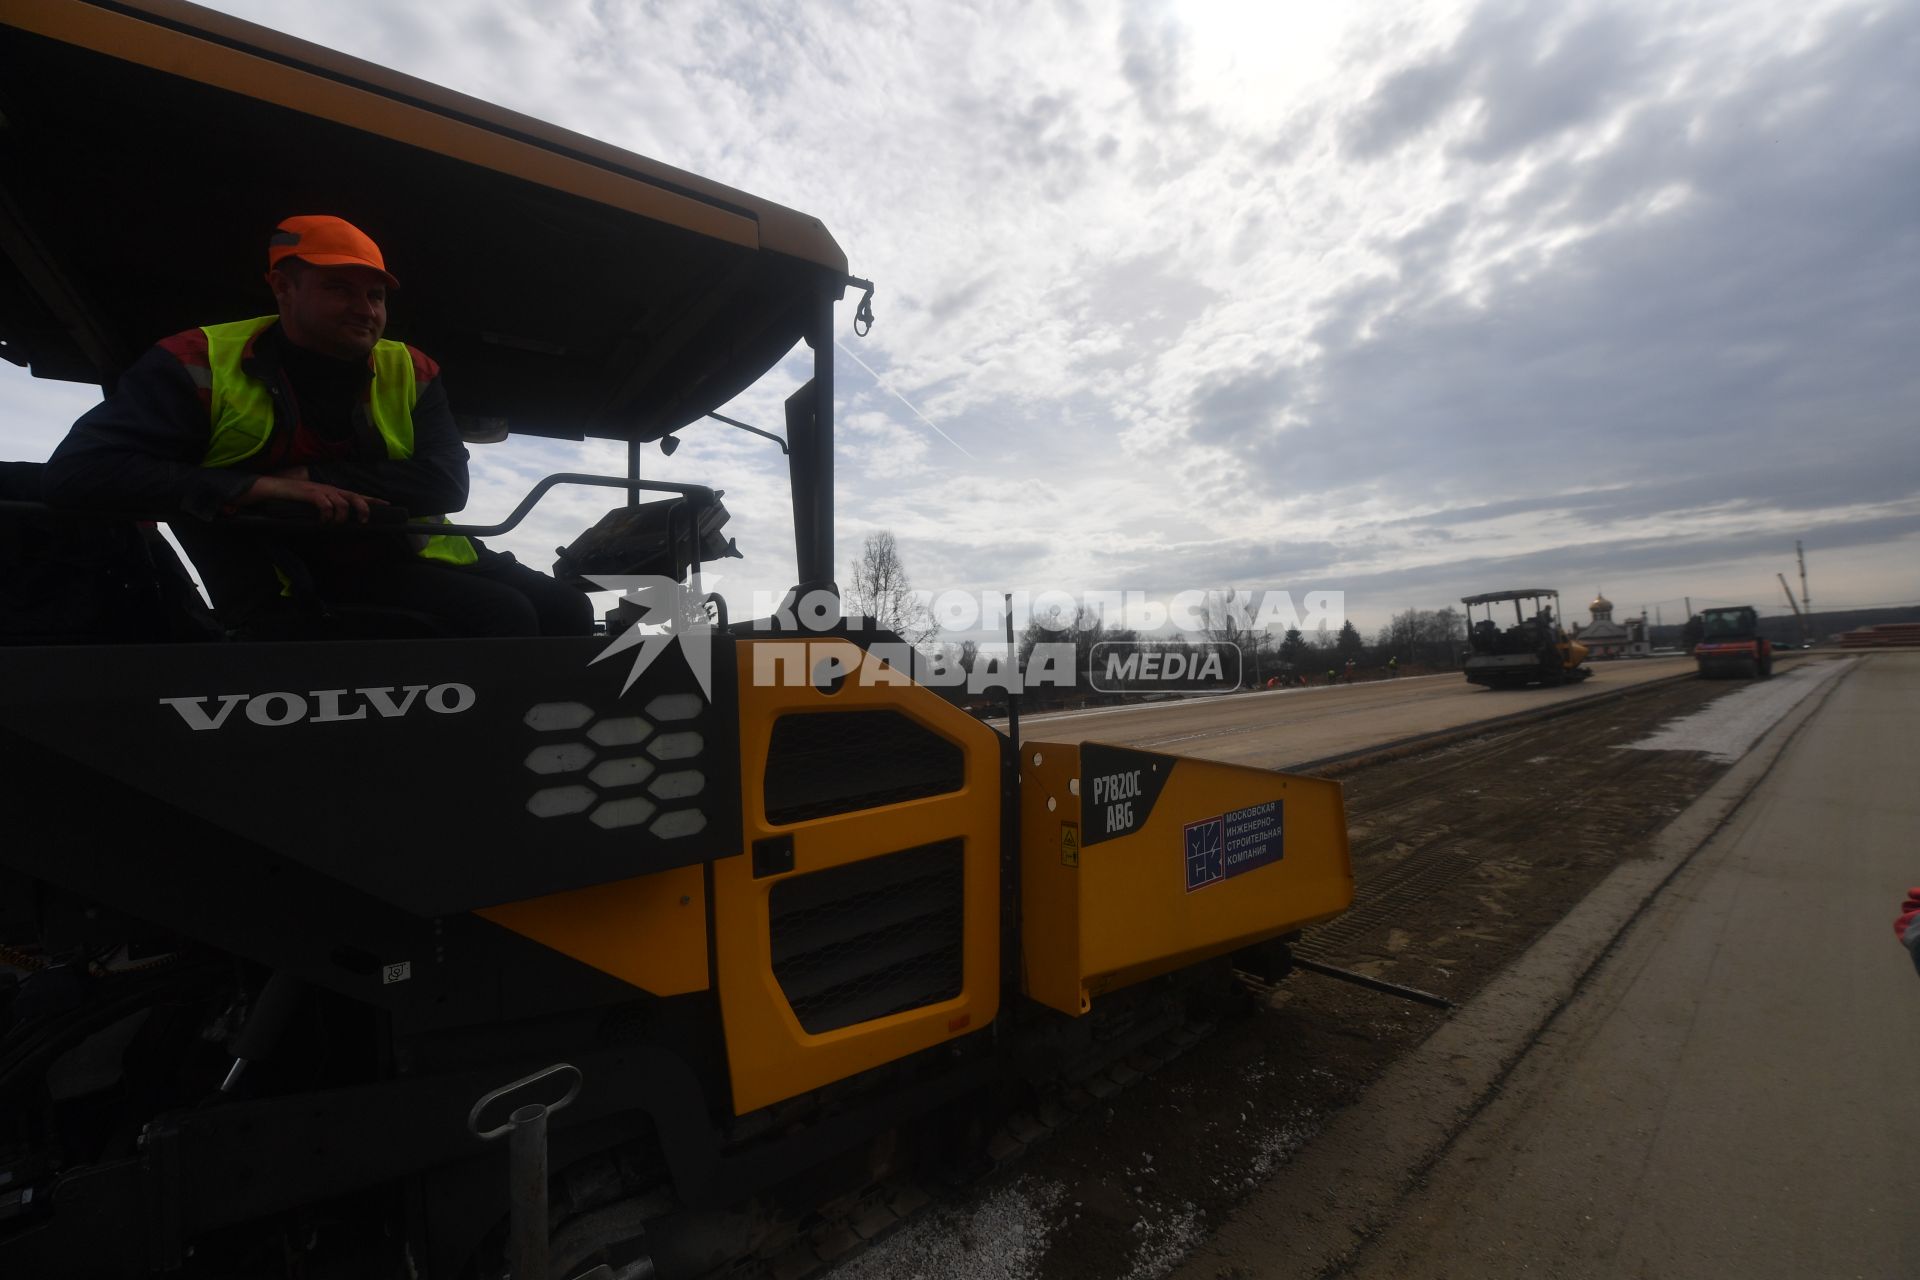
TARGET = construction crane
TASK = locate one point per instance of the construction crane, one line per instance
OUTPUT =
(1796, 608)
(1806, 604)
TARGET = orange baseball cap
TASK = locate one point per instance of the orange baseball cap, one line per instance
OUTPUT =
(326, 241)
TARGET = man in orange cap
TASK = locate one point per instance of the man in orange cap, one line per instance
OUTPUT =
(311, 406)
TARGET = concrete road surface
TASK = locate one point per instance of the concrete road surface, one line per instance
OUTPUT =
(1289, 726)
(1735, 1092)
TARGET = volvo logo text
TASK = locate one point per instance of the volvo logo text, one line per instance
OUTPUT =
(322, 706)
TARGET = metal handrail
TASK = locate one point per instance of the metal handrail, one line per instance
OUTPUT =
(699, 493)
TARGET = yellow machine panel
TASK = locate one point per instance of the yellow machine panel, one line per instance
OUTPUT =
(650, 931)
(1134, 864)
(862, 923)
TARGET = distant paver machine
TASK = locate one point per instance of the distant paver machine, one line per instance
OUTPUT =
(1534, 649)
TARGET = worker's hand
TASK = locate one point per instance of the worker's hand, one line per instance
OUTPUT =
(335, 505)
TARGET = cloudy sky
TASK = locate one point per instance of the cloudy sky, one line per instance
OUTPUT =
(1408, 301)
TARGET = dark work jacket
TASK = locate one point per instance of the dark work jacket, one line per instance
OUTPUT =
(139, 450)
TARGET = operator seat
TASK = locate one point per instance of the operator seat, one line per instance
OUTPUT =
(68, 577)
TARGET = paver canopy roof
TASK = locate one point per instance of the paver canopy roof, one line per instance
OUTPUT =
(1523, 593)
(570, 288)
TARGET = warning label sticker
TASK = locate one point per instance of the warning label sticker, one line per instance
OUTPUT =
(1233, 843)
(1069, 844)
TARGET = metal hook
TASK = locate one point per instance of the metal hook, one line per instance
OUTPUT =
(863, 312)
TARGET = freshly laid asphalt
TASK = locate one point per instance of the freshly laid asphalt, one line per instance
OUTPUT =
(1278, 728)
(1707, 1070)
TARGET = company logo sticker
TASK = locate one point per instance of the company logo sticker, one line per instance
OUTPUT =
(1235, 843)
(1206, 853)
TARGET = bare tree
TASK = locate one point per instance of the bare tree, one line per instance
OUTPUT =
(1448, 637)
(881, 590)
(1083, 628)
(1433, 637)
(1230, 617)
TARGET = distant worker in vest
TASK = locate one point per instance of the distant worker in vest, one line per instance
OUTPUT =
(311, 406)
(1393, 666)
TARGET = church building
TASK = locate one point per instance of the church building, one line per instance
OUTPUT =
(1606, 638)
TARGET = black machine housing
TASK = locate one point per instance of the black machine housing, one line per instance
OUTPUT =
(245, 997)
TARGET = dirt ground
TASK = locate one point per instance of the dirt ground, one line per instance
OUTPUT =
(1463, 856)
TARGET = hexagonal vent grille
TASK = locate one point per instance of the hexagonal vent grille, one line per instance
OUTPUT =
(620, 770)
(871, 938)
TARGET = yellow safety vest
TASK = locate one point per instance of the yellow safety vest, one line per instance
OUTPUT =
(242, 412)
